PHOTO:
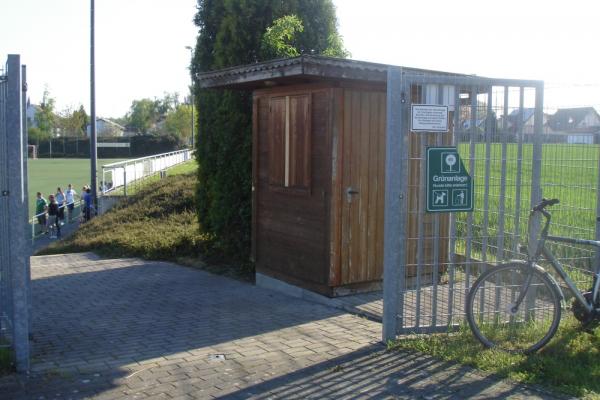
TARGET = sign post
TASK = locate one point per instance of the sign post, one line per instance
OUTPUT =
(449, 186)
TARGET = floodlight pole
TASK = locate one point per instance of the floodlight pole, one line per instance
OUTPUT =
(192, 92)
(93, 140)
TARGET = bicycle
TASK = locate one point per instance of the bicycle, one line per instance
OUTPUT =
(516, 306)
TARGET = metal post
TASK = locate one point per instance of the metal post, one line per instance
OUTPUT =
(597, 263)
(396, 165)
(19, 247)
(93, 139)
(191, 49)
(536, 167)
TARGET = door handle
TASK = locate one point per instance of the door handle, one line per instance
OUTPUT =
(349, 192)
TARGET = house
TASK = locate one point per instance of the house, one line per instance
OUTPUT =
(30, 112)
(107, 128)
(579, 125)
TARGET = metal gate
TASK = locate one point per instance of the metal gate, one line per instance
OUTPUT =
(14, 230)
(431, 259)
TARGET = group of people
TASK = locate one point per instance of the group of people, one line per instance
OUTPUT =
(51, 213)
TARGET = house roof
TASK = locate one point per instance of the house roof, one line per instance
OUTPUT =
(108, 121)
(566, 119)
(513, 117)
(302, 69)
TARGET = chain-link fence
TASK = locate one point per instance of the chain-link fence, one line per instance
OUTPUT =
(14, 242)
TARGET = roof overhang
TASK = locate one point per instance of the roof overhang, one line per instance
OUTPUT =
(302, 69)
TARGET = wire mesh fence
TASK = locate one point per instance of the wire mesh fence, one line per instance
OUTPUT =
(514, 156)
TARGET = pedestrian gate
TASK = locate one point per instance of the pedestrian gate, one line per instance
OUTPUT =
(463, 165)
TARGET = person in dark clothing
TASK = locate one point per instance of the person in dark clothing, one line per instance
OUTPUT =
(53, 221)
(87, 198)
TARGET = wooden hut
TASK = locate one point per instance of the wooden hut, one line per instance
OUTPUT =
(318, 176)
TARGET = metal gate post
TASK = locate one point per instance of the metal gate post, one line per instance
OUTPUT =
(17, 204)
(597, 262)
(396, 167)
(536, 166)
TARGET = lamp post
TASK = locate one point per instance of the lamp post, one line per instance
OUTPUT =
(192, 93)
(93, 140)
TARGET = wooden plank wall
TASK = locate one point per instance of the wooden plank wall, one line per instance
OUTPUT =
(292, 226)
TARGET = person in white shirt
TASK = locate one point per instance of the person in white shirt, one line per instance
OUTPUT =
(70, 194)
(60, 200)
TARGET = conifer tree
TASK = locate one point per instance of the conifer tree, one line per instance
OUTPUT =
(231, 33)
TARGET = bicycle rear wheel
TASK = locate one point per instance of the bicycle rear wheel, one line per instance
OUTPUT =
(492, 315)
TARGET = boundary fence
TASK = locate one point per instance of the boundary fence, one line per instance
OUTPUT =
(432, 259)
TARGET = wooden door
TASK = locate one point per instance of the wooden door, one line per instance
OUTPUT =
(362, 186)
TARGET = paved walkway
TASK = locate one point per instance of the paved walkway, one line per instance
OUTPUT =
(113, 329)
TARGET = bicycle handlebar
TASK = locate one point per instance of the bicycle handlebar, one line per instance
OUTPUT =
(545, 203)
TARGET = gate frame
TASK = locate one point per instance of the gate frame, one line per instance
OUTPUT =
(14, 259)
(397, 167)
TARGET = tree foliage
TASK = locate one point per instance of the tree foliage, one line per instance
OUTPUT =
(45, 119)
(231, 33)
(73, 123)
(279, 39)
(147, 116)
(179, 122)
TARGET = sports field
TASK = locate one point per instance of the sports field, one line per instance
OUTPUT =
(46, 174)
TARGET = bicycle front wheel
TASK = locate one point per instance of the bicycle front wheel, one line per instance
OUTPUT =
(497, 321)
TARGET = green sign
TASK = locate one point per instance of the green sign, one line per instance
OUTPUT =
(449, 186)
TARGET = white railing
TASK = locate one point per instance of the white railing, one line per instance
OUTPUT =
(38, 230)
(123, 173)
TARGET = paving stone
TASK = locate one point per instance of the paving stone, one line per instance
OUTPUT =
(132, 329)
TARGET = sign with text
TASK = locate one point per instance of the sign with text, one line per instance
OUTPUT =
(449, 186)
(429, 118)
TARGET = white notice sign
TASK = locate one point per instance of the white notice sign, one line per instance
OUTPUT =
(429, 118)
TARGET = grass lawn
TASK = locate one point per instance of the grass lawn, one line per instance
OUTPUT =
(46, 174)
(158, 222)
(568, 364)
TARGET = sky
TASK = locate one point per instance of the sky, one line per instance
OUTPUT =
(140, 44)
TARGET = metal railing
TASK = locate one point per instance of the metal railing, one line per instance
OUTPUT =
(74, 215)
(123, 174)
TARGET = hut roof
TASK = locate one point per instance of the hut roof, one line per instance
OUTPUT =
(302, 69)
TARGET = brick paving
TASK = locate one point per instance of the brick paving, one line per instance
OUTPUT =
(131, 329)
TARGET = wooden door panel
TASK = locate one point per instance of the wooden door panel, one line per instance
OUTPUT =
(363, 154)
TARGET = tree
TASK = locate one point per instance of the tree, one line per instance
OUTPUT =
(279, 39)
(178, 122)
(142, 115)
(231, 33)
(45, 118)
(146, 115)
(73, 123)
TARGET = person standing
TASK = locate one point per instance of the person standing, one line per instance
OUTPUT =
(41, 206)
(53, 221)
(87, 199)
(60, 200)
(70, 199)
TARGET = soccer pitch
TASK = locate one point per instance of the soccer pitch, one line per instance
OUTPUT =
(46, 174)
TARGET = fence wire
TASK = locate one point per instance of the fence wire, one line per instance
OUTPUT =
(494, 130)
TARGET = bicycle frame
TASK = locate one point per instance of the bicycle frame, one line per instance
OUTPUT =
(541, 250)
